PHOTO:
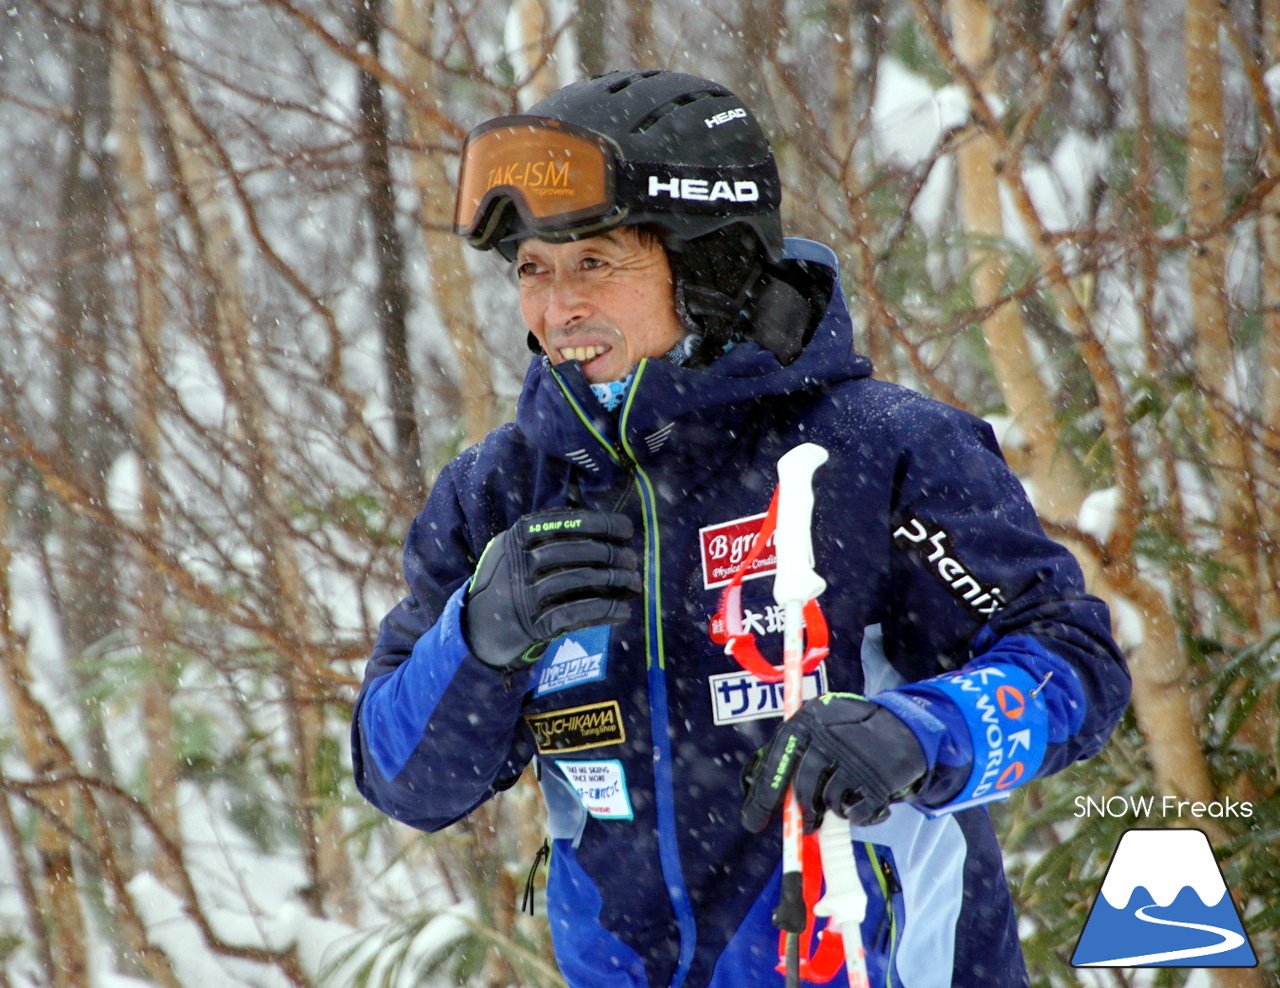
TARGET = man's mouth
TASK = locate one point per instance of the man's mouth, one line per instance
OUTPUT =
(582, 354)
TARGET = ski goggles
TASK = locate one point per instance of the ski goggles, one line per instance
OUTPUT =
(566, 181)
(558, 177)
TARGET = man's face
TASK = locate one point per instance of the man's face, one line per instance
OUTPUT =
(605, 301)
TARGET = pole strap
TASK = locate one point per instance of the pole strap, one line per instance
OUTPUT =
(727, 628)
(819, 964)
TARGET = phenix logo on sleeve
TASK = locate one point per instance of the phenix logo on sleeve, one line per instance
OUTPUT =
(964, 586)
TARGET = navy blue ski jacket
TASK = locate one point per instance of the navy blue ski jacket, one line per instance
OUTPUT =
(946, 602)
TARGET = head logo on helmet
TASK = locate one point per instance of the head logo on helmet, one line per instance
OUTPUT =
(740, 190)
(725, 117)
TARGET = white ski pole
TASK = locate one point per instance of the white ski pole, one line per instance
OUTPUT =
(796, 583)
(845, 900)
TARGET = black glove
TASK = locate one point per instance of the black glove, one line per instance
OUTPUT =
(839, 752)
(550, 572)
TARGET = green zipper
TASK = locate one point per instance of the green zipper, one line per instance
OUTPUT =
(655, 651)
(652, 547)
(585, 419)
(888, 893)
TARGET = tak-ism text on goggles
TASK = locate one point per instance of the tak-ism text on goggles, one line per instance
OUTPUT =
(566, 181)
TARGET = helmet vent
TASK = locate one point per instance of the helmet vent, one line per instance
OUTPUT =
(618, 85)
(684, 99)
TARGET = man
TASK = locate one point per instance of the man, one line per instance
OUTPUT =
(564, 571)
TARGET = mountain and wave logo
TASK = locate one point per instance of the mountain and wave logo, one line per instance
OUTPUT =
(1163, 903)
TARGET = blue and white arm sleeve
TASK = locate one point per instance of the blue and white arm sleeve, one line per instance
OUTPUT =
(439, 734)
(989, 727)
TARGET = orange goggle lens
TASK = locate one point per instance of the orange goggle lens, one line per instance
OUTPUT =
(555, 175)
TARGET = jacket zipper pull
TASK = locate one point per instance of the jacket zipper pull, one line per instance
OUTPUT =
(526, 902)
(884, 931)
(627, 490)
(890, 877)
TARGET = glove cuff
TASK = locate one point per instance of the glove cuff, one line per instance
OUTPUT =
(947, 751)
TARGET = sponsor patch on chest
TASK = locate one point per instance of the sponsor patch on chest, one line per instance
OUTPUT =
(576, 728)
(574, 659)
(725, 545)
(739, 696)
(602, 787)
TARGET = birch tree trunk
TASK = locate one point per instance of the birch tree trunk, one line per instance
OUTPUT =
(143, 222)
(1057, 489)
(1215, 352)
(1269, 444)
(534, 53)
(87, 595)
(590, 28)
(58, 894)
(446, 266)
(391, 301)
(858, 253)
(1172, 519)
(640, 39)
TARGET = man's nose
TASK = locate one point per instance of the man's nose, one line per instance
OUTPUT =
(567, 300)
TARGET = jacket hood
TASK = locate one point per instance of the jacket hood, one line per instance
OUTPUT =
(673, 406)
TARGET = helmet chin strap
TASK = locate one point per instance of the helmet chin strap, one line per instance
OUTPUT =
(715, 278)
(771, 311)
(728, 290)
(782, 318)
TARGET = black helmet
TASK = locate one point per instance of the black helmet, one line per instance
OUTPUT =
(673, 152)
(664, 149)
